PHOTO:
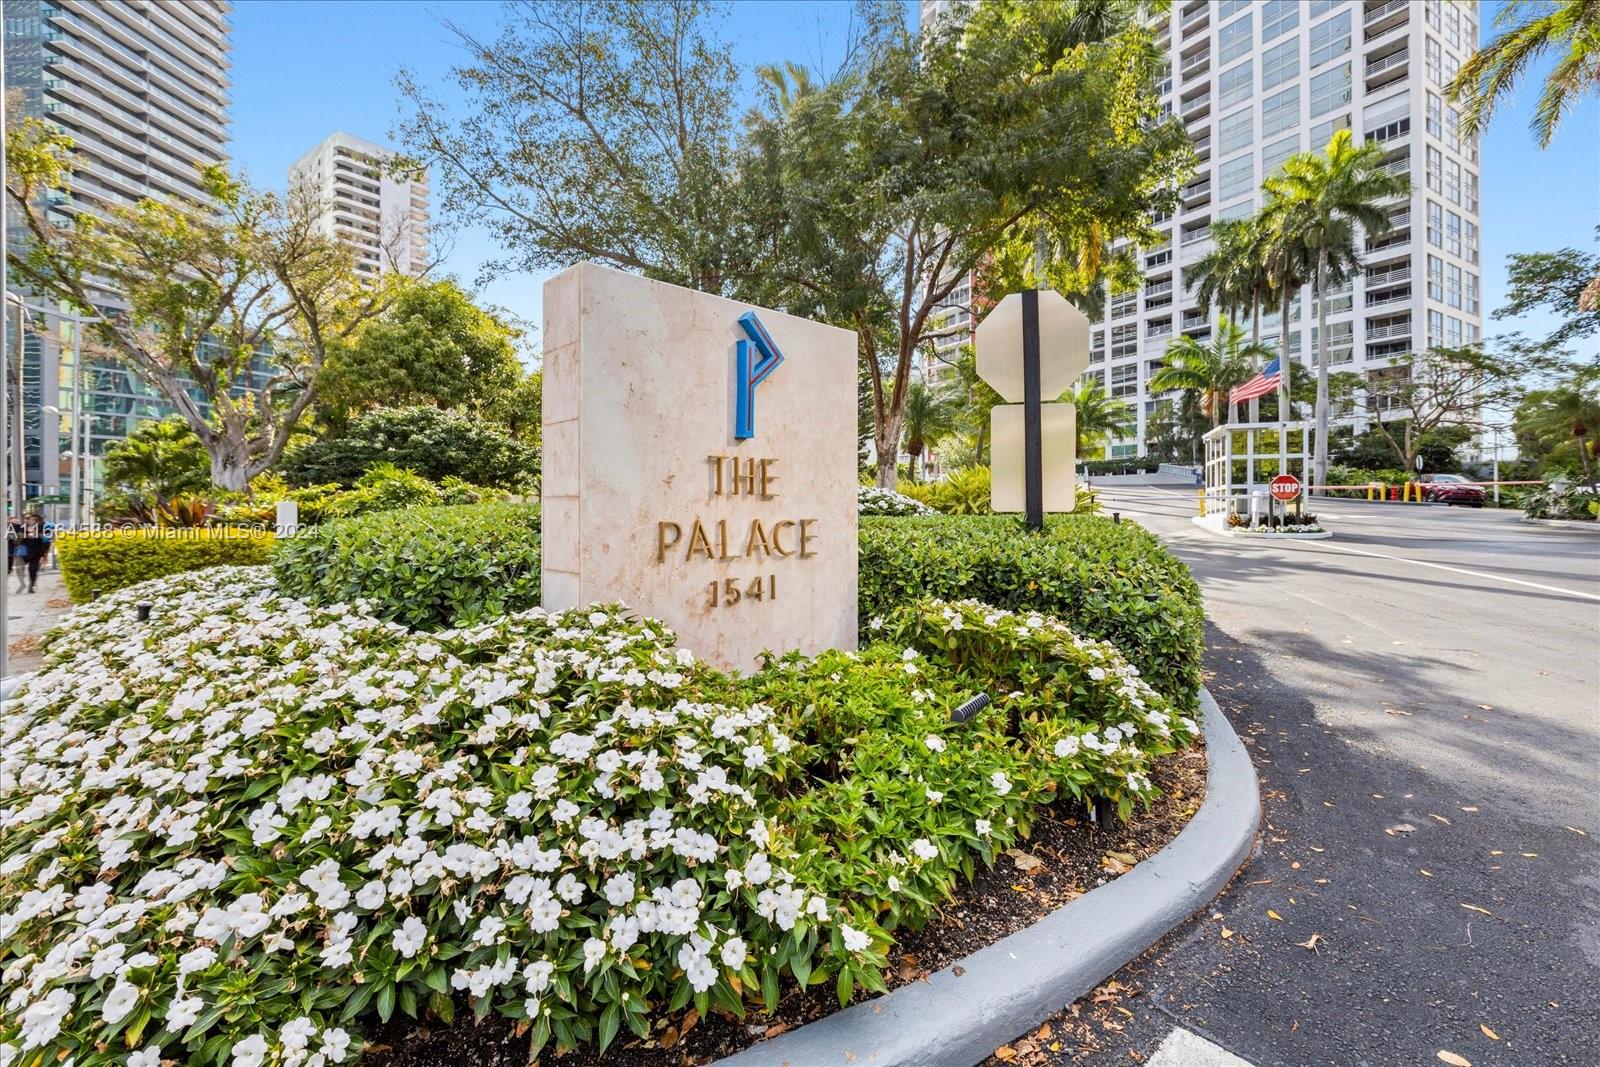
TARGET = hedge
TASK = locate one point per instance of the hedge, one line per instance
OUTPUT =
(1110, 581)
(104, 560)
(426, 567)
(1121, 466)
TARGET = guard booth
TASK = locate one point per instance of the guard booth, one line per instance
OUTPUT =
(1242, 457)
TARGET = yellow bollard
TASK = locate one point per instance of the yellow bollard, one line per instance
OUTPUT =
(1202, 494)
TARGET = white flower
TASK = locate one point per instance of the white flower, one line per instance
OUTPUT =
(1001, 783)
(409, 937)
(854, 940)
(41, 1020)
(119, 1002)
(335, 1043)
(149, 1056)
(983, 827)
(619, 890)
(594, 950)
(934, 742)
(1067, 747)
(182, 1013)
(733, 953)
(250, 1052)
(924, 848)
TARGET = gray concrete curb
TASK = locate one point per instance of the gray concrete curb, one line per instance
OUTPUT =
(1583, 525)
(1007, 988)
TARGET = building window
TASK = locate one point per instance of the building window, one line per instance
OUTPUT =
(1452, 285)
(1435, 166)
(1125, 341)
(1278, 16)
(1233, 41)
(1280, 112)
(1236, 211)
(1452, 26)
(1435, 278)
(1236, 132)
(1452, 181)
(1330, 39)
(1323, 132)
(1472, 293)
(1435, 225)
(1452, 233)
(1435, 127)
(1472, 193)
(1275, 153)
(1124, 304)
(1233, 86)
(1471, 242)
(1230, 7)
(1330, 89)
(1435, 63)
(1453, 333)
(1431, 11)
(1435, 329)
(1125, 380)
(1234, 178)
(1281, 63)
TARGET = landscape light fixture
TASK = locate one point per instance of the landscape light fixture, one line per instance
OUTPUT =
(971, 707)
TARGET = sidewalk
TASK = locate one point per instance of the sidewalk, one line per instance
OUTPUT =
(30, 615)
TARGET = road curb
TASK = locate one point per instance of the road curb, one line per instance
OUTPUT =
(960, 1015)
(1585, 525)
(1223, 531)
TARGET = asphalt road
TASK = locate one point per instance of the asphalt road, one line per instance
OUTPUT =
(1421, 696)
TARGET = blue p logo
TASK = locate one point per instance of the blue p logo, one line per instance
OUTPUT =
(752, 372)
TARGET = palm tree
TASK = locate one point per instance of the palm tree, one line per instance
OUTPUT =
(1567, 410)
(1569, 27)
(1318, 202)
(1209, 369)
(929, 418)
(1220, 276)
(1098, 415)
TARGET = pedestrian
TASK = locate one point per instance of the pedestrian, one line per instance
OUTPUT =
(13, 537)
(32, 548)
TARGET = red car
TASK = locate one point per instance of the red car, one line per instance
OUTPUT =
(1451, 489)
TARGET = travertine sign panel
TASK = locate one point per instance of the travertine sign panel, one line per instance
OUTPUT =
(699, 465)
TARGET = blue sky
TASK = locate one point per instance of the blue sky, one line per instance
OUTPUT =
(305, 68)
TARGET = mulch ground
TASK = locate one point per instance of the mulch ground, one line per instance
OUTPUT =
(1064, 858)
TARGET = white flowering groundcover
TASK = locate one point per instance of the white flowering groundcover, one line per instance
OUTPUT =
(872, 500)
(250, 829)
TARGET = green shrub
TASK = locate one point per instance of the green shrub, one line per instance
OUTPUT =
(1110, 581)
(1120, 466)
(1558, 502)
(104, 560)
(435, 444)
(425, 567)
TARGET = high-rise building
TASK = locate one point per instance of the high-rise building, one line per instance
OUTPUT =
(1255, 82)
(141, 87)
(364, 201)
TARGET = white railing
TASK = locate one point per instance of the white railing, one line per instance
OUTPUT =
(1381, 333)
(1386, 277)
(1389, 62)
(1384, 10)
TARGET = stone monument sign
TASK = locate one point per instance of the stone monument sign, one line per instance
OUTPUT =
(699, 465)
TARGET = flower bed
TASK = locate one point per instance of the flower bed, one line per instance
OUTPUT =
(871, 500)
(250, 829)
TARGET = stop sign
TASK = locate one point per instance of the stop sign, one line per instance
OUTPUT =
(1284, 487)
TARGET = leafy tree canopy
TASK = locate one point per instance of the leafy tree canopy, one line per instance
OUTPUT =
(431, 346)
(1554, 282)
(158, 460)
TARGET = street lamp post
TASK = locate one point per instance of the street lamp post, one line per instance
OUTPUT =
(80, 433)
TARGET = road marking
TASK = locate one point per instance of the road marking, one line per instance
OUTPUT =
(1184, 1049)
(1446, 567)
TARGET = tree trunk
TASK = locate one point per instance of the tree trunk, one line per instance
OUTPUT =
(1583, 454)
(1320, 458)
(913, 464)
(886, 439)
(229, 465)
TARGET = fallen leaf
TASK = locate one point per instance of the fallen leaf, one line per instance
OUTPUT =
(1111, 863)
(958, 970)
(1474, 907)
(1469, 807)
(1488, 1033)
(1226, 933)
(1486, 707)
(1400, 828)
(1274, 915)
(1425, 871)
(1024, 861)
(1577, 831)
(1005, 1053)
(1441, 818)
(1530, 855)
(1453, 1060)
(1310, 943)
(1043, 1033)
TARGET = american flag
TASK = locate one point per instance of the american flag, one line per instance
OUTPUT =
(1260, 385)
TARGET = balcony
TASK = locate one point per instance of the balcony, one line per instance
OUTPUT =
(1195, 318)
(1402, 165)
(1162, 328)
(1387, 68)
(1382, 17)
(1196, 105)
(1197, 67)
(1195, 194)
(1379, 278)
(1389, 331)
(1158, 289)
(1196, 18)
(1401, 295)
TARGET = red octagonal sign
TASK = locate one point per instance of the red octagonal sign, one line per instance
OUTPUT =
(1284, 487)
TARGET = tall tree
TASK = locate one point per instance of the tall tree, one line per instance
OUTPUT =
(1529, 29)
(1098, 416)
(1209, 369)
(432, 345)
(1324, 202)
(598, 131)
(930, 417)
(1548, 419)
(232, 308)
(1555, 282)
(1417, 395)
(886, 187)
